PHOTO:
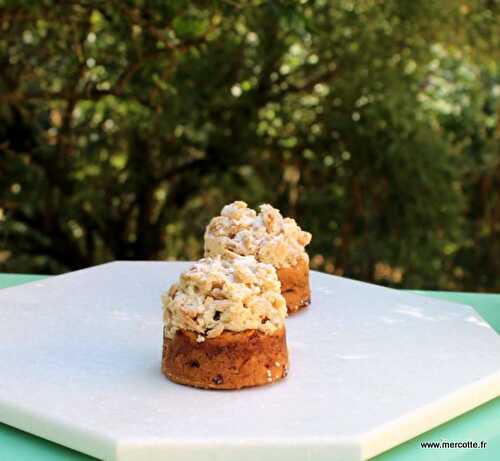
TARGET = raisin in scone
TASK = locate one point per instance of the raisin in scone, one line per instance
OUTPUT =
(269, 237)
(224, 325)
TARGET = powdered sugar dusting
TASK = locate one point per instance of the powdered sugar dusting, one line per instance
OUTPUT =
(216, 294)
(268, 236)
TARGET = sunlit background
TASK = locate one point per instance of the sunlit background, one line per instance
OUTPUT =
(125, 125)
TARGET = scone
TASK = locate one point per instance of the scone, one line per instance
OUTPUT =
(269, 237)
(224, 325)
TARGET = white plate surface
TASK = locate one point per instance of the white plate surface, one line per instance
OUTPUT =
(370, 368)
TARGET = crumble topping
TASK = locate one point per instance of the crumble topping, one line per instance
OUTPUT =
(268, 236)
(216, 294)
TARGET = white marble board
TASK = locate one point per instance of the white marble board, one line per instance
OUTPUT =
(370, 368)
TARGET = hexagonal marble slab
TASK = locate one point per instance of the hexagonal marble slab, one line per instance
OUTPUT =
(370, 368)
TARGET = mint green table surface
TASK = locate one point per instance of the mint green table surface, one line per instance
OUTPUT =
(480, 424)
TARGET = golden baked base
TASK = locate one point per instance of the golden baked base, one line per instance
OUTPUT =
(295, 285)
(230, 361)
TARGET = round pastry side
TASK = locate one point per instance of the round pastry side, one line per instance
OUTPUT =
(295, 285)
(270, 238)
(224, 325)
(232, 360)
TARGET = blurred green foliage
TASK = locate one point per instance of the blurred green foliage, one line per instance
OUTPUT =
(125, 125)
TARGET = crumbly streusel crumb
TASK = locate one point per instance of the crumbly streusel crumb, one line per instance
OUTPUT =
(216, 294)
(268, 236)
